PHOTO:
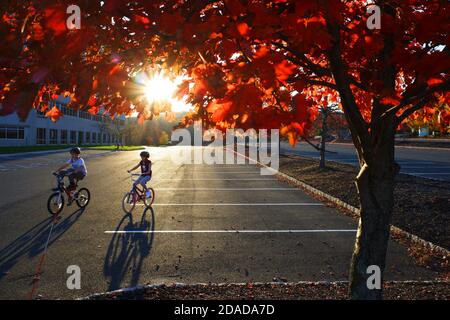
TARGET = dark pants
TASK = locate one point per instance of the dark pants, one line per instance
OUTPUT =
(73, 177)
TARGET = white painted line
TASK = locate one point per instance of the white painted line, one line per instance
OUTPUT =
(218, 179)
(227, 189)
(233, 231)
(212, 171)
(415, 163)
(423, 167)
(427, 173)
(234, 204)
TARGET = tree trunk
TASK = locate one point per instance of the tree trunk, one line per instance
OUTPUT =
(323, 137)
(375, 185)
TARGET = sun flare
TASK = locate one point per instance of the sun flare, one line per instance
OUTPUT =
(160, 88)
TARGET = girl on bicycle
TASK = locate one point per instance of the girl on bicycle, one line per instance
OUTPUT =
(146, 170)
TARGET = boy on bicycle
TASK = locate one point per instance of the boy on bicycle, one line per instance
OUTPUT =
(146, 170)
(76, 172)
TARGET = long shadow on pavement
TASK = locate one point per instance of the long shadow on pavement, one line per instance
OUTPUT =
(33, 241)
(127, 251)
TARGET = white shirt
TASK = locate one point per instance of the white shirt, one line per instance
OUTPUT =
(78, 163)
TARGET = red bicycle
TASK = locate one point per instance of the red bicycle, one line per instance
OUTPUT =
(137, 194)
(55, 202)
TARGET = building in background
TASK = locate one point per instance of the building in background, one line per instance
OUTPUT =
(75, 127)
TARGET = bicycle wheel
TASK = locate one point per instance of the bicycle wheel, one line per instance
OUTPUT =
(128, 202)
(82, 197)
(148, 201)
(55, 203)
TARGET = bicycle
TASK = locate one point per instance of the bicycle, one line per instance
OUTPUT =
(55, 203)
(137, 194)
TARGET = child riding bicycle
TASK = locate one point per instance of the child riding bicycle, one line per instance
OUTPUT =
(76, 171)
(146, 170)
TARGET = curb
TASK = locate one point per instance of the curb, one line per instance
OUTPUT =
(402, 146)
(33, 153)
(241, 284)
(341, 204)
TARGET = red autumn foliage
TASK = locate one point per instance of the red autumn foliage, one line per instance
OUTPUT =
(265, 49)
(54, 114)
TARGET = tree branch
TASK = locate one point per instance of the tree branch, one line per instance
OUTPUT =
(424, 94)
(413, 109)
(357, 125)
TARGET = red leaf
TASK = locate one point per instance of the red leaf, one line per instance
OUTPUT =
(220, 109)
(54, 114)
(390, 101)
(92, 101)
(434, 82)
(44, 108)
(284, 69)
(242, 28)
(301, 108)
(55, 19)
(141, 19)
(93, 110)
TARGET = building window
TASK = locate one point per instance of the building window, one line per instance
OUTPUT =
(40, 136)
(73, 137)
(94, 137)
(80, 137)
(12, 133)
(104, 138)
(88, 137)
(53, 136)
(63, 136)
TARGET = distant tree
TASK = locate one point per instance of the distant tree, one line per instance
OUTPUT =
(163, 138)
(326, 118)
(115, 128)
(437, 119)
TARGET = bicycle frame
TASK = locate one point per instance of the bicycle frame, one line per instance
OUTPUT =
(61, 187)
(136, 190)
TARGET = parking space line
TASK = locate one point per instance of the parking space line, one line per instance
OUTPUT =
(427, 173)
(242, 172)
(234, 204)
(228, 189)
(218, 179)
(233, 231)
(423, 167)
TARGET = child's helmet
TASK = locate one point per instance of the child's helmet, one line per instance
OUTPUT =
(145, 154)
(75, 150)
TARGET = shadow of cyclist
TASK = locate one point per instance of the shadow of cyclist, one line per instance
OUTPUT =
(127, 251)
(32, 242)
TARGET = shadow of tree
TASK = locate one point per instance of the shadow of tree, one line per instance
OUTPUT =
(127, 251)
(32, 242)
